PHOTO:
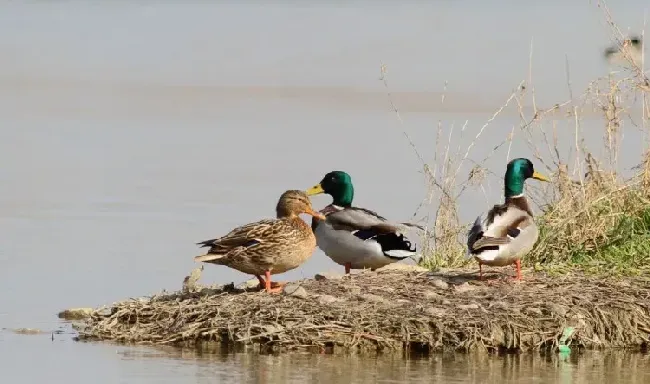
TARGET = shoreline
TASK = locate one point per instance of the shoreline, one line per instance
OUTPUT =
(390, 310)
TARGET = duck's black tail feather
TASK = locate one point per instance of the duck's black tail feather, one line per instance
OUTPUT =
(396, 246)
(475, 233)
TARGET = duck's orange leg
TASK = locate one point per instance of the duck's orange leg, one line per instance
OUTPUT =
(518, 267)
(272, 287)
(348, 266)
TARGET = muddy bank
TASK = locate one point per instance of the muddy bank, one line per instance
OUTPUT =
(391, 310)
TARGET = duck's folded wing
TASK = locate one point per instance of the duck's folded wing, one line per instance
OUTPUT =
(246, 236)
(506, 222)
(489, 242)
(355, 219)
(502, 229)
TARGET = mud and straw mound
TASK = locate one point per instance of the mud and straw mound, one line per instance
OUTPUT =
(392, 310)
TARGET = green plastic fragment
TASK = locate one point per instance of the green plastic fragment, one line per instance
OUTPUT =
(566, 334)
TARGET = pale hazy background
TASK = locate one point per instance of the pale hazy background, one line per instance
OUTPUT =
(130, 131)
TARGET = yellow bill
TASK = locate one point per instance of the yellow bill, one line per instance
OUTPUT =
(315, 190)
(539, 176)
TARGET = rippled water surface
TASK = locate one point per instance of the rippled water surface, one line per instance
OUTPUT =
(130, 131)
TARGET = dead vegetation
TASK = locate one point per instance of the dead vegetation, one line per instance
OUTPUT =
(595, 215)
(391, 311)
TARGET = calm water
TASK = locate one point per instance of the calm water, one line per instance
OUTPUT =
(128, 132)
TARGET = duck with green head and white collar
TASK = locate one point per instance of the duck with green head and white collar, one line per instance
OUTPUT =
(355, 237)
(509, 232)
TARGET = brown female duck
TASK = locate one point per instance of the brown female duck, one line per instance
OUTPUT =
(268, 246)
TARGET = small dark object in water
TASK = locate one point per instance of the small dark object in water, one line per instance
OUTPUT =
(634, 42)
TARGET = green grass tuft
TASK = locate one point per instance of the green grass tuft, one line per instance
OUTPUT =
(625, 249)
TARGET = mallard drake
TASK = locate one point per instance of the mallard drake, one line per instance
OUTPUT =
(355, 237)
(510, 231)
(269, 246)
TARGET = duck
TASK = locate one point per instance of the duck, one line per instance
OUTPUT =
(355, 237)
(267, 246)
(509, 232)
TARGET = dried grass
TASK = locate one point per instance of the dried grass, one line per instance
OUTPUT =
(392, 311)
(593, 212)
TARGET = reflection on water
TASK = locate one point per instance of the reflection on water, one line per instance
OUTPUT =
(587, 367)
(64, 360)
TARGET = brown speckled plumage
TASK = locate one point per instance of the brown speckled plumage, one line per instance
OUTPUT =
(273, 245)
